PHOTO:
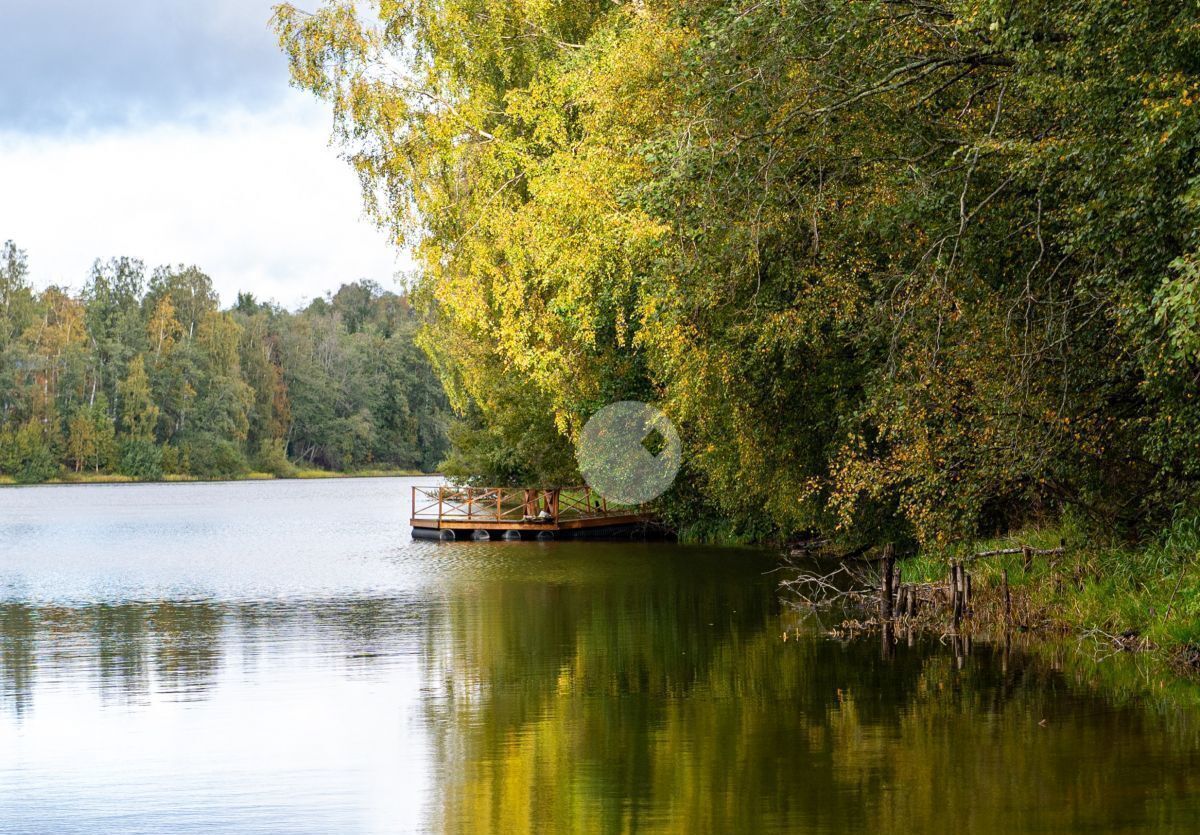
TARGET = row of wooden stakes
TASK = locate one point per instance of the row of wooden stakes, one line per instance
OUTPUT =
(898, 599)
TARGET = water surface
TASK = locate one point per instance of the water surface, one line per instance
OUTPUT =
(280, 657)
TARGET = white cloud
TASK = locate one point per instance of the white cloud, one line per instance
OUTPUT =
(259, 201)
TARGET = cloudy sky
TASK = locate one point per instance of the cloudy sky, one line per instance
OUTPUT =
(166, 130)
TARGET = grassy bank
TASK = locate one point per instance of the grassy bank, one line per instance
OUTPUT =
(117, 478)
(1124, 598)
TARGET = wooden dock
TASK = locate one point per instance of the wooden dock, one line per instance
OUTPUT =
(480, 513)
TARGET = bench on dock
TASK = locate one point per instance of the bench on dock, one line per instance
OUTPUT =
(449, 512)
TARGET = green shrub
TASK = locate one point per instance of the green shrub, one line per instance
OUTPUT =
(141, 459)
(38, 467)
(213, 457)
(272, 458)
(170, 460)
(26, 455)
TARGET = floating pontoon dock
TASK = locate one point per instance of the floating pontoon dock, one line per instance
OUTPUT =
(446, 512)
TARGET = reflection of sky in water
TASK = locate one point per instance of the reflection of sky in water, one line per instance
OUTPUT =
(282, 735)
(282, 657)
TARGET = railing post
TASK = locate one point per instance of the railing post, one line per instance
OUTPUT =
(470, 502)
(499, 507)
(441, 490)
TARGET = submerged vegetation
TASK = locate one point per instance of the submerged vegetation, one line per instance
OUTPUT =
(134, 379)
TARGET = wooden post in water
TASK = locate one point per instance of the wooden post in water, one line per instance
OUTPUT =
(963, 600)
(967, 593)
(955, 592)
(885, 592)
(958, 587)
(950, 586)
(1007, 599)
(954, 584)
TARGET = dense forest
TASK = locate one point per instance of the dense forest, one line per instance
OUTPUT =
(147, 377)
(902, 269)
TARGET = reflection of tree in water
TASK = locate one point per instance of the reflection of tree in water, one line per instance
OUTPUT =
(136, 651)
(370, 630)
(187, 646)
(672, 704)
(551, 698)
(119, 644)
(122, 646)
(17, 630)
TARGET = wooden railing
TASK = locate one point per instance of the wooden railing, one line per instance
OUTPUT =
(510, 504)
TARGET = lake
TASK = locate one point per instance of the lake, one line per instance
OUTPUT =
(281, 657)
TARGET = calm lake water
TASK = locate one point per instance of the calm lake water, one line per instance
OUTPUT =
(280, 657)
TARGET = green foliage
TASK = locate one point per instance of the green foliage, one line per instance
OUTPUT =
(27, 454)
(519, 446)
(91, 438)
(175, 461)
(139, 414)
(897, 270)
(364, 398)
(272, 458)
(141, 459)
(211, 456)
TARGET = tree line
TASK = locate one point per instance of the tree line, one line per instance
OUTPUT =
(895, 268)
(146, 376)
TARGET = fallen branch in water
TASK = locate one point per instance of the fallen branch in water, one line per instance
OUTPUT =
(842, 585)
(1107, 644)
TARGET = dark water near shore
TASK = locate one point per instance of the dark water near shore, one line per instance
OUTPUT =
(280, 657)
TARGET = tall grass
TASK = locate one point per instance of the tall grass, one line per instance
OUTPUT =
(1151, 590)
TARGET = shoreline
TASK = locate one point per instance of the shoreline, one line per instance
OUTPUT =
(300, 475)
(1120, 600)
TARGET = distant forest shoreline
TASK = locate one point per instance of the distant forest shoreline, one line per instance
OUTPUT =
(74, 480)
(147, 378)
